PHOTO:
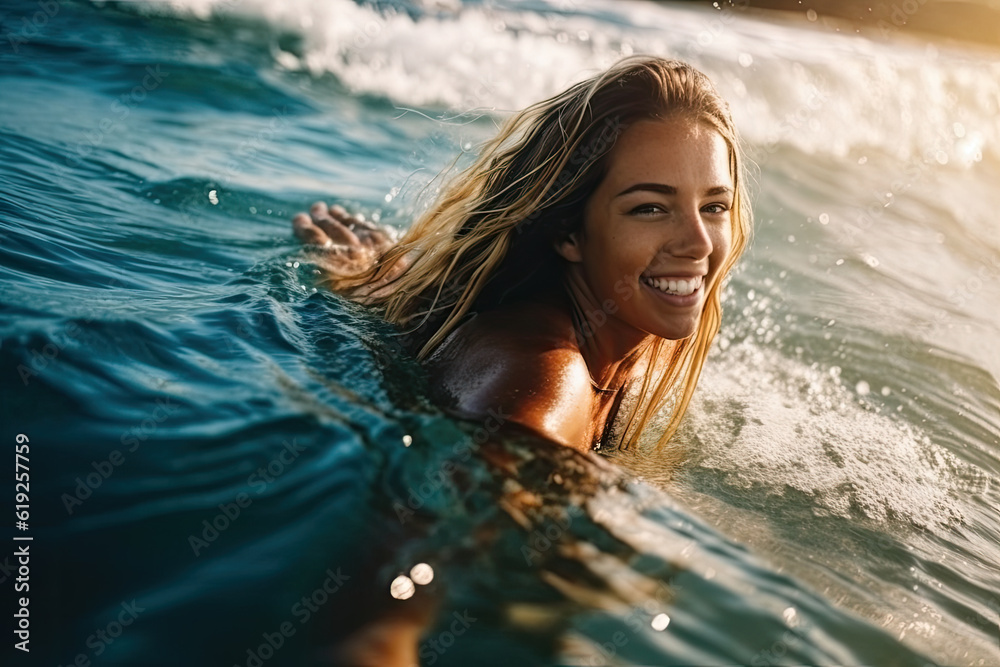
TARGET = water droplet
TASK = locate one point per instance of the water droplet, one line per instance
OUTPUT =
(811, 15)
(422, 574)
(407, 440)
(790, 616)
(402, 587)
(824, 219)
(745, 59)
(862, 388)
(886, 391)
(213, 197)
(660, 622)
(863, 159)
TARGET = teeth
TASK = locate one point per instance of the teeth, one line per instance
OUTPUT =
(678, 287)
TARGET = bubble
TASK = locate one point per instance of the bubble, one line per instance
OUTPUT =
(422, 574)
(824, 219)
(811, 14)
(863, 388)
(402, 587)
(407, 440)
(213, 197)
(745, 59)
(791, 617)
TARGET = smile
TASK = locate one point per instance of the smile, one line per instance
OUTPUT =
(674, 286)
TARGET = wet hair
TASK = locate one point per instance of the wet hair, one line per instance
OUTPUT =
(490, 237)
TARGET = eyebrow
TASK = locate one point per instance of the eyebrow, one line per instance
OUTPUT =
(671, 190)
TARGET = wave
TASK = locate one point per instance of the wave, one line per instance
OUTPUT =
(843, 95)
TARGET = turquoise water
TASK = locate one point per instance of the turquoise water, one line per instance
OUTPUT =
(221, 452)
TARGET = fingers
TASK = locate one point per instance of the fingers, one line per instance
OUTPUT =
(339, 232)
(335, 229)
(307, 232)
(353, 222)
(371, 234)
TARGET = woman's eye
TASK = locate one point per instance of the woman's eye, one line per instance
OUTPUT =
(646, 209)
(715, 208)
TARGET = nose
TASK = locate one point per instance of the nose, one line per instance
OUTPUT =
(689, 238)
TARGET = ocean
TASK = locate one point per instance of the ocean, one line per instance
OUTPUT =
(224, 464)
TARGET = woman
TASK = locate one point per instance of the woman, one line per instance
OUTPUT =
(578, 262)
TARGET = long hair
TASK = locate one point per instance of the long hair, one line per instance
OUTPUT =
(489, 238)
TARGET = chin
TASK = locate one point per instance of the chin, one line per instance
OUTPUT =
(677, 331)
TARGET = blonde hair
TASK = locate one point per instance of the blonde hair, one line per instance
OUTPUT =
(490, 236)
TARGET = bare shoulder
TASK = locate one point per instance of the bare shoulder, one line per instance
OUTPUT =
(520, 364)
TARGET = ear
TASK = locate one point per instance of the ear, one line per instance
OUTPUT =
(569, 248)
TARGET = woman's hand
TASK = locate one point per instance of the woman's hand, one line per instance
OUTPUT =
(348, 240)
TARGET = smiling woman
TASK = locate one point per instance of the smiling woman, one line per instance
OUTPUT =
(578, 262)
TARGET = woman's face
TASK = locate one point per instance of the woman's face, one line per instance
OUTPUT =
(657, 229)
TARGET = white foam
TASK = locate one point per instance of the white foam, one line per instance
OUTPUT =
(767, 422)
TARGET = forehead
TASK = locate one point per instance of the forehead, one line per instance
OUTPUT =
(674, 151)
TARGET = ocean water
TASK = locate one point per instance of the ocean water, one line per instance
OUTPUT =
(229, 466)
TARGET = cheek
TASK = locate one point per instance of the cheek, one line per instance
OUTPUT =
(722, 245)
